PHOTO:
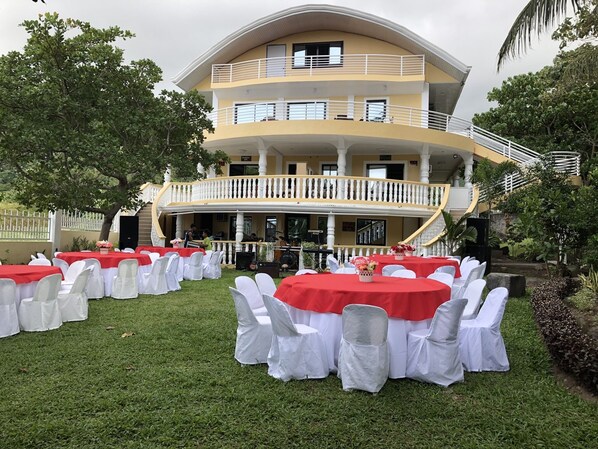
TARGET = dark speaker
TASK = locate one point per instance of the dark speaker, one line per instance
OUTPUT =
(129, 232)
(482, 225)
(243, 260)
(482, 253)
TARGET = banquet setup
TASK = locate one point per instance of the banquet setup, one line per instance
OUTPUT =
(424, 319)
(45, 293)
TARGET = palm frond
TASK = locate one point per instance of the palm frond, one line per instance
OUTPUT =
(533, 20)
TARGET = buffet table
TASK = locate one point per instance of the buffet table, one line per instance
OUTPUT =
(26, 277)
(318, 301)
(423, 266)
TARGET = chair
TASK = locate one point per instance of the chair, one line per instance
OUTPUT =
(40, 262)
(249, 288)
(63, 265)
(193, 271)
(128, 250)
(466, 267)
(473, 294)
(445, 278)
(344, 270)
(265, 284)
(480, 341)
(125, 284)
(254, 333)
(433, 354)
(41, 312)
(33, 257)
(387, 270)
(71, 274)
(407, 274)
(154, 283)
(305, 271)
(41, 256)
(117, 250)
(9, 318)
(211, 269)
(145, 251)
(332, 263)
(363, 360)
(172, 271)
(73, 305)
(153, 256)
(85, 250)
(95, 284)
(460, 285)
(297, 350)
(447, 269)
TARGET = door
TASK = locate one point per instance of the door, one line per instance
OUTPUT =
(275, 62)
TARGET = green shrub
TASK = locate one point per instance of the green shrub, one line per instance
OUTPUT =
(584, 299)
(527, 249)
(81, 243)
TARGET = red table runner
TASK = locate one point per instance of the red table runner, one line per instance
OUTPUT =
(24, 274)
(110, 260)
(423, 266)
(409, 299)
(183, 252)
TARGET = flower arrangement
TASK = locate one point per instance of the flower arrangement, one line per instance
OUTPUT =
(176, 241)
(364, 264)
(402, 248)
(103, 244)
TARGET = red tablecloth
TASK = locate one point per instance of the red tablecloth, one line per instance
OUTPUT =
(183, 252)
(24, 274)
(409, 299)
(423, 266)
(110, 260)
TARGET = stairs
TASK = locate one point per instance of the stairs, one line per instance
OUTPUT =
(145, 225)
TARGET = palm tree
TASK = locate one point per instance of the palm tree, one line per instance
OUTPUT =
(534, 19)
(489, 179)
(456, 232)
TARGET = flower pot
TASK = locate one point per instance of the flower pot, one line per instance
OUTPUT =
(104, 250)
(399, 257)
(366, 276)
(408, 253)
(175, 245)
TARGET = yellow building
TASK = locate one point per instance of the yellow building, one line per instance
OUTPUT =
(334, 120)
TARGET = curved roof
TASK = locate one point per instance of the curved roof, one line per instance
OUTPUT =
(312, 18)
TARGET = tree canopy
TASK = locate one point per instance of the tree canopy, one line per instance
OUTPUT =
(84, 130)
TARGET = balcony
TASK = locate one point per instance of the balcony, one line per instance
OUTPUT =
(350, 66)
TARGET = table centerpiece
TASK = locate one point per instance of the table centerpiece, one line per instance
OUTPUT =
(365, 268)
(176, 243)
(104, 246)
(400, 250)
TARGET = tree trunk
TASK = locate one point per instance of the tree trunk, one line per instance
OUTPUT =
(106, 225)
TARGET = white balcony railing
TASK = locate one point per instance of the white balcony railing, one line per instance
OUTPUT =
(292, 66)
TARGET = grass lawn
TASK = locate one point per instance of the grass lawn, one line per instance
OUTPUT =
(174, 383)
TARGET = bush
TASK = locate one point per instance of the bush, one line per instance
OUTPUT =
(80, 243)
(572, 350)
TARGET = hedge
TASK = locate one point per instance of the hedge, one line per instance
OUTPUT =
(573, 350)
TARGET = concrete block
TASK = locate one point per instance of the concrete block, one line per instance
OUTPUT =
(515, 283)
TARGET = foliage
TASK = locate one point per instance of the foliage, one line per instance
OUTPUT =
(83, 130)
(590, 281)
(81, 243)
(488, 177)
(309, 258)
(456, 232)
(584, 300)
(527, 249)
(574, 351)
(4, 260)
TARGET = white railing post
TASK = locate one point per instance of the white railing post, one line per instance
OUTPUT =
(54, 225)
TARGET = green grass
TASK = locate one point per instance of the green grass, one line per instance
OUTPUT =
(175, 384)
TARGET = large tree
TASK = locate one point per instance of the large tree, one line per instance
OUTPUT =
(84, 130)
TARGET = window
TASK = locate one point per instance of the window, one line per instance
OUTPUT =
(271, 223)
(254, 112)
(385, 171)
(243, 170)
(314, 110)
(375, 110)
(317, 54)
(329, 170)
(296, 227)
(370, 232)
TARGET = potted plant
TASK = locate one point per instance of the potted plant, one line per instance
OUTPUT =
(176, 243)
(104, 246)
(456, 232)
(365, 268)
(401, 250)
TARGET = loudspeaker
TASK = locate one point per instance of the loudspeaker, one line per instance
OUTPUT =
(129, 231)
(482, 225)
(243, 260)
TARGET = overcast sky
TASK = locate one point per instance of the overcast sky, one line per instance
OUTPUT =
(175, 32)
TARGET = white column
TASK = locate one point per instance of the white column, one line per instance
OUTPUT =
(211, 172)
(424, 169)
(167, 177)
(341, 161)
(239, 231)
(55, 228)
(468, 170)
(330, 232)
(456, 182)
(263, 161)
(179, 227)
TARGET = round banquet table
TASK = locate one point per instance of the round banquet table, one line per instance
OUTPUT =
(26, 277)
(423, 266)
(185, 254)
(109, 263)
(318, 301)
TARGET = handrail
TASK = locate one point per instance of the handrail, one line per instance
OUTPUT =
(156, 228)
(430, 220)
(293, 66)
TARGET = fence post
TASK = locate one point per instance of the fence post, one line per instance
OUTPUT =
(55, 226)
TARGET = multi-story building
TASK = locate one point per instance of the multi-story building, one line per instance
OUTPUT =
(334, 120)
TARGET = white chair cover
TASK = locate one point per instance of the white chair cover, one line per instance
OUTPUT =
(152, 256)
(407, 274)
(71, 274)
(249, 288)
(73, 304)
(211, 270)
(480, 342)
(345, 270)
(297, 351)
(363, 360)
(473, 294)
(41, 262)
(172, 270)
(95, 284)
(62, 264)
(128, 250)
(387, 270)
(9, 319)
(305, 271)
(145, 251)
(460, 285)
(332, 263)
(125, 284)
(445, 278)
(254, 334)
(467, 266)
(41, 256)
(433, 354)
(447, 269)
(265, 283)
(41, 313)
(154, 282)
(33, 257)
(193, 270)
